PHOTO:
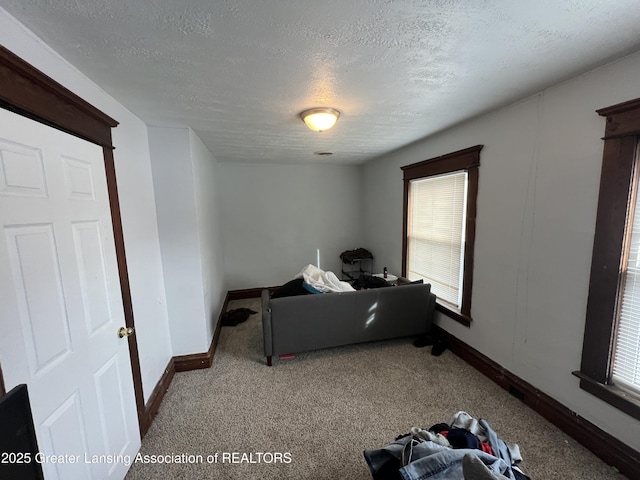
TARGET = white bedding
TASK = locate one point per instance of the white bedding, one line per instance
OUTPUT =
(323, 281)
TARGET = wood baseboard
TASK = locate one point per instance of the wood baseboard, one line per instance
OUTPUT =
(249, 293)
(608, 448)
(185, 363)
(153, 405)
(195, 361)
(180, 363)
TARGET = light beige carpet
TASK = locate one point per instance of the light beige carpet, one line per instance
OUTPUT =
(319, 411)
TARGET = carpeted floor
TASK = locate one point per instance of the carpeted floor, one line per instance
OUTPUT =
(318, 412)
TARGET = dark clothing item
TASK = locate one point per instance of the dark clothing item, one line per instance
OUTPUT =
(291, 289)
(232, 318)
(425, 460)
(419, 458)
(369, 281)
(462, 438)
(440, 427)
(351, 256)
(439, 346)
(424, 341)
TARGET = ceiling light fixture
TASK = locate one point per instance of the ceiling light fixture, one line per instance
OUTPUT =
(320, 119)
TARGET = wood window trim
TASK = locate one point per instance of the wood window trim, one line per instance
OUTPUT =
(467, 159)
(622, 136)
(29, 92)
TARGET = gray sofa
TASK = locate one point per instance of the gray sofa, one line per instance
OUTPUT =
(310, 322)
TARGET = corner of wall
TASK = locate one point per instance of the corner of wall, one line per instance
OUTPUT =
(209, 230)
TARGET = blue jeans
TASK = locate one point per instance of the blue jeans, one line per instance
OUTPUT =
(429, 460)
(444, 463)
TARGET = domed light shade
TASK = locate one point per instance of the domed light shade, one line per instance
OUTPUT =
(320, 119)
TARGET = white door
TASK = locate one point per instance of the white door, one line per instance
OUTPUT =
(60, 301)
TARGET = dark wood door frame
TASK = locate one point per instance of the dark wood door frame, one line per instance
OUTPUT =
(2, 389)
(29, 92)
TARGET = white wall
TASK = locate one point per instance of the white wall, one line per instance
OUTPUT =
(537, 200)
(184, 178)
(208, 213)
(136, 194)
(276, 219)
(177, 225)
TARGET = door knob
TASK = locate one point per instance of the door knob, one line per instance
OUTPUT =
(125, 331)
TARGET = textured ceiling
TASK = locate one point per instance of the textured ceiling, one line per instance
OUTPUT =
(238, 72)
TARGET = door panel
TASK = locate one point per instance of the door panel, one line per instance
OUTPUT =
(62, 432)
(37, 283)
(79, 178)
(112, 407)
(61, 301)
(21, 170)
(93, 275)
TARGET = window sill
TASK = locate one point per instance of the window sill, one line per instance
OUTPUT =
(614, 396)
(453, 313)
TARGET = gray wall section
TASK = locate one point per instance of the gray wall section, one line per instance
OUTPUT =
(173, 181)
(208, 216)
(186, 184)
(538, 194)
(279, 218)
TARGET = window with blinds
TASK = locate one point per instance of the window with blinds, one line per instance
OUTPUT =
(626, 360)
(435, 233)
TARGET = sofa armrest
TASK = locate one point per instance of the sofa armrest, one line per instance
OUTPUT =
(267, 331)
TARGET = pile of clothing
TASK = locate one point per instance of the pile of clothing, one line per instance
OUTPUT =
(317, 280)
(462, 449)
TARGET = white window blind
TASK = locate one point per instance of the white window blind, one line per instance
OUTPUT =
(626, 364)
(435, 243)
